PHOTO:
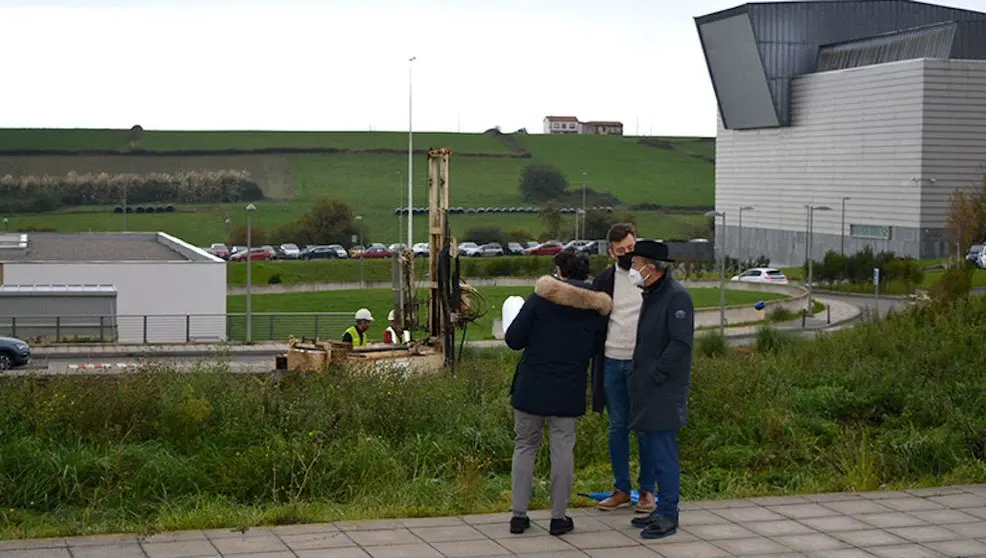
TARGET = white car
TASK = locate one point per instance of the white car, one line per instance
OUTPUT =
(762, 275)
(421, 250)
(469, 249)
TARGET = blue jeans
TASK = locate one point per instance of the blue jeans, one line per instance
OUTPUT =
(663, 446)
(616, 374)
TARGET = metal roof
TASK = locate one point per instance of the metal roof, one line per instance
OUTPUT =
(98, 247)
(57, 290)
(753, 51)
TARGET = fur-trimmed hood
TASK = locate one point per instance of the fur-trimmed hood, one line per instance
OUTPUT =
(560, 292)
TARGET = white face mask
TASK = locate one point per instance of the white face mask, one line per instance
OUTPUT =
(636, 278)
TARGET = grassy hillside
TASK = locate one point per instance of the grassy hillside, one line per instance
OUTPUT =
(369, 174)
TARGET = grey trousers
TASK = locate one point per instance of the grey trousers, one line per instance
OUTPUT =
(562, 435)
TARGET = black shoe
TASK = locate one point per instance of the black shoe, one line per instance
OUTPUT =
(519, 524)
(659, 528)
(561, 526)
(642, 522)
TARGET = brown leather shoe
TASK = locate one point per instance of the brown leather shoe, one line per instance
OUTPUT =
(618, 500)
(646, 503)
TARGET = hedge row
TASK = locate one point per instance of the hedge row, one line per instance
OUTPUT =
(34, 193)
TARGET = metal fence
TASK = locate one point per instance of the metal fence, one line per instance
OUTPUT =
(186, 328)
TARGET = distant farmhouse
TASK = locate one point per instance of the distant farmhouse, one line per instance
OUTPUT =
(571, 125)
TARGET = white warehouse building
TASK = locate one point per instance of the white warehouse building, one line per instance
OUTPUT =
(872, 111)
(166, 290)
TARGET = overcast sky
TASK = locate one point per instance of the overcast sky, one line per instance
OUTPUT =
(343, 65)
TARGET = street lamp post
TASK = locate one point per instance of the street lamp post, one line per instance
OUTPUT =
(229, 229)
(5, 224)
(249, 260)
(811, 209)
(583, 208)
(410, 149)
(739, 235)
(362, 249)
(722, 270)
(842, 232)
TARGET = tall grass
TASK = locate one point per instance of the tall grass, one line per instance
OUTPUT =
(891, 403)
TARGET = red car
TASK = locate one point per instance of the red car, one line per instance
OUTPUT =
(549, 248)
(262, 254)
(376, 252)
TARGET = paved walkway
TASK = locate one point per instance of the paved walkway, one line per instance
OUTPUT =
(916, 523)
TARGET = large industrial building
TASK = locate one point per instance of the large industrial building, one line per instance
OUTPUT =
(874, 109)
(152, 287)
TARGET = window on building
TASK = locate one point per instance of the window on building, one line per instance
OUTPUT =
(555, 125)
(876, 232)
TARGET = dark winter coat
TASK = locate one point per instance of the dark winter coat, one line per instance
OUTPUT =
(604, 282)
(558, 327)
(662, 359)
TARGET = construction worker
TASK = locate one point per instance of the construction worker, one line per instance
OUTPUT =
(390, 334)
(355, 334)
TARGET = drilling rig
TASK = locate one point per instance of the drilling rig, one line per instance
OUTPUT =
(451, 304)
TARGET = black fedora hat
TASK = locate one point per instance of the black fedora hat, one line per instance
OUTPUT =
(652, 250)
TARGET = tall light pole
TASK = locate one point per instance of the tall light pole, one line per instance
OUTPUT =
(739, 236)
(400, 210)
(410, 148)
(229, 228)
(249, 261)
(722, 270)
(5, 224)
(583, 207)
(125, 206)
(363, 249)
(842, 232)
(811, 209)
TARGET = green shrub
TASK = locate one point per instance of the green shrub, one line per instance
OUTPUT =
(711, 344)
(770, 340)
(274, 279)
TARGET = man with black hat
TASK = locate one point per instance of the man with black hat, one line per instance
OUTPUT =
(662, 361)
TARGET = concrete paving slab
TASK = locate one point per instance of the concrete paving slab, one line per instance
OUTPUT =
(933, 522)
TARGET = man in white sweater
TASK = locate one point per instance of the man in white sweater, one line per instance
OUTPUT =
(611, 370)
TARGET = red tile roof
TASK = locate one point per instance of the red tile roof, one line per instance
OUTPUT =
(566, 118)
(603, 123)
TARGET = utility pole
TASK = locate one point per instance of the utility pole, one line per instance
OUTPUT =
(410, 149)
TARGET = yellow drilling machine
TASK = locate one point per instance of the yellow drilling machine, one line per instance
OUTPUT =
(451, 303)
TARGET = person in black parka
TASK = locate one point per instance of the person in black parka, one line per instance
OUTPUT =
(559, 328)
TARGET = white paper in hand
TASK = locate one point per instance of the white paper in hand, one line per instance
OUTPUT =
(511, 307)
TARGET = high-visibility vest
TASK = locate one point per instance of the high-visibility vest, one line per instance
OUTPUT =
(359, 340)
(394, 338)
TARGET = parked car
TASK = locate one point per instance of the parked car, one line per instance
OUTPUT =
(975, 254)
(264, 253)
(982, 259)
(762, 275)
(320, 253)
(236, 249)
(549, 248)
(396, 246)
(288, 251)
(218, 250)
(515, 248)
(339, 250)
(13, 353)
(355, 251)
(577, 244)
(469, 249)
(531, 244)
(377, 252)
(491, 249)
(421, 250)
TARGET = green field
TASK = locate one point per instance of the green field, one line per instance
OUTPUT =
(374, 184)
(380, 301)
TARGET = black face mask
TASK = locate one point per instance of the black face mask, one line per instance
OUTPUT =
(624, 261)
